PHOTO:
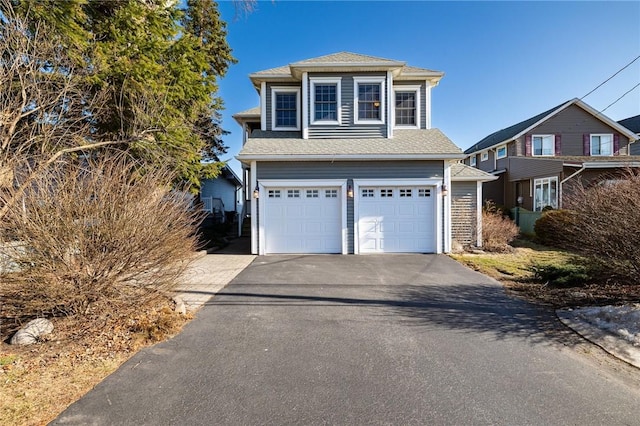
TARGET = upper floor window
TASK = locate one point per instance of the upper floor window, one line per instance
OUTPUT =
(407, 106)
(543, 145)
(369, 100)
(326, 100)
(602, 144)
(484, 156)
(285, 107)
(501, 152)
(472, 160)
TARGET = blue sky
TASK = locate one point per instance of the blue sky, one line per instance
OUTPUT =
(503, 61)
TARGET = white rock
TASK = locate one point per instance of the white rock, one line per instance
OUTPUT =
(180, 307)
(30, 333)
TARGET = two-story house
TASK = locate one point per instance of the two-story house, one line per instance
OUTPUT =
(341, 157)
(538, 159)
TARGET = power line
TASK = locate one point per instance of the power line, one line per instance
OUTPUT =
(623, 95)
(618, 72)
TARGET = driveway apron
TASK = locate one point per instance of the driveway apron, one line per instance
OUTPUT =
(380, 339)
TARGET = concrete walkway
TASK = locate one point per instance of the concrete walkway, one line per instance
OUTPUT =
(211, 272)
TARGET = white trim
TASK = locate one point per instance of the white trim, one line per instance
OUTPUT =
(483, 154)
(407, 88)
(473, 160)
(479, 214)
(305, 106)
(427, 104)
(254, 208)
(447, 207)
(299, 183)
(390, 111)
(591, 154)
(553, 141)
(284, 89)
(435, 182)
(312, 101)
(498, 157)
(263, 106)
(368, 80)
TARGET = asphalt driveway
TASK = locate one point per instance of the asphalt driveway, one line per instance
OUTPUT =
(393, 339)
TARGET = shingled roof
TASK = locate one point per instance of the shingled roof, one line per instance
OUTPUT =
(631, 123)
(462, 172)
(418, 144)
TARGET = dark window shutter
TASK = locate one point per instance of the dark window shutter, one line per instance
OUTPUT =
(558, 149)
(616, 144)
(527, 145)
(586, 144)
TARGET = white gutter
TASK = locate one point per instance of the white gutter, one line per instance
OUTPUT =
(347, 157)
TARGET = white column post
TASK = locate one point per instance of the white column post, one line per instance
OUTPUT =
(390, 105)
(447, 207)
(263, 106)
(479, 214)
(254, 209)
(427, 104)
(305, 106)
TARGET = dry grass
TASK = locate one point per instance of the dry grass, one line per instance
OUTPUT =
(515, 271)
(38, 382)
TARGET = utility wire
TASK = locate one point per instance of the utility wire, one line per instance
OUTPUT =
(618, 72)
(623, 95)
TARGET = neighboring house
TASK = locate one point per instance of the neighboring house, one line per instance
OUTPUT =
(340, 157)
(538, 159)
(221, 196)
(633, 124)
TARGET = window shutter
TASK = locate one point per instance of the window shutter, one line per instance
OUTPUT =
(616, 144)
(586, 144)
(527, 145)
(558, 148)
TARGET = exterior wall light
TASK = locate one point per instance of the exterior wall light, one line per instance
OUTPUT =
(445, 190)
(256, 192)
(349, 191)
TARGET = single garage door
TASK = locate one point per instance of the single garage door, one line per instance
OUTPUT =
(302, 220)
(396, 219)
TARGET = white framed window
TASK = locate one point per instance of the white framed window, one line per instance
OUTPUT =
(368, 193)
(313, 193)
(501, 152)
(407, 107)
(331, 193)
(368, 100)
(386, 193)
(484, 156)
(423, 192)
(472, 160)
(274, 193)
(285, 108)
(293, 193)
(601, 144)
(543, 145)
(404, 193)
(545, 193)
(326, 93)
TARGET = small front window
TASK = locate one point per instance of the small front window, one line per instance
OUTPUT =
(601, 145)
(293, 193)
(331, 193)
(369, 100)
(285, 106)
(385, 193)
(543, 145)
(312, 193)
(545, 193)
(405, 193)
(368, 193)
(423, 192)
(501, 152)
(484, 156)
(326, 102)
(472, 161)
(406, 107)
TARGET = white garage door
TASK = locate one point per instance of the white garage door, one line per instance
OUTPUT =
(396, 219)
(302, 220)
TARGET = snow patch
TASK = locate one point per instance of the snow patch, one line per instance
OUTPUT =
(623, 321)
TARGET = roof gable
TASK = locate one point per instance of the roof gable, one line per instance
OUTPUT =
(517, 130)
(347, 57)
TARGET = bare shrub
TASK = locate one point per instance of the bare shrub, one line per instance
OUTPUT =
(92, 241)
(606, 228)
(497, 230)
(551, 227)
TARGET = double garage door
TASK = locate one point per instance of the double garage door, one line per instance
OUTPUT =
(388, 219)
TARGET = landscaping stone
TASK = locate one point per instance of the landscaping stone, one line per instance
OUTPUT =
(31, 332)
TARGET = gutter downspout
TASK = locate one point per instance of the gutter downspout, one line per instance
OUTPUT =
(562, 182)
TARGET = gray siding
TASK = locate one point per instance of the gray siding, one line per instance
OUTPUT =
(572, 124)
(350, 170)
(268, 100)
(347, 128)
(464, 212)
(526, 168)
